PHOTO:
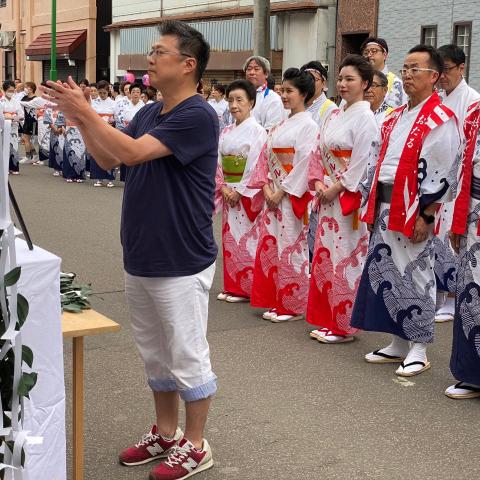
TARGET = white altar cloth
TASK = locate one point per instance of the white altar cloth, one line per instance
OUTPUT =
(45, 411)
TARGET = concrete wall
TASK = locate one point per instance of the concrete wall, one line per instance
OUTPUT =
(400, 24)
(36, 19)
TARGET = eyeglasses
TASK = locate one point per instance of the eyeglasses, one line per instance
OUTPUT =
(155, 52)
(414, 71)
(371, 51)
(447, 69)
(377, 85)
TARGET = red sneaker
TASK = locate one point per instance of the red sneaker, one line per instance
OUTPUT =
(183, 461)
(151, 447)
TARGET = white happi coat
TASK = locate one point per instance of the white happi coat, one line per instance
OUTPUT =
(268, 108)
(321, 108)
(12, 110)
(396, 96)
(238, 237)
(281, 264)
(398, 281)
(105, 108)
(131, 110)
(343, 237)
(459, 101)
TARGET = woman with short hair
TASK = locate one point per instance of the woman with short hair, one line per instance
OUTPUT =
(239, 147)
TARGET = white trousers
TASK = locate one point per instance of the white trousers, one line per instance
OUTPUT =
(169, 317)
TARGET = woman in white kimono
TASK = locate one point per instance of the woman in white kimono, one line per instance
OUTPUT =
(239, 147)
(12, 110)
(105, 108)
(348, 140)
(55, 122)
(280, 279)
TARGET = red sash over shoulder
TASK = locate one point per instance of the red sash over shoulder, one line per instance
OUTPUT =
(405, 199)
(462, 202)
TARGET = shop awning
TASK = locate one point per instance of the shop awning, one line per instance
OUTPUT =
(69, 45)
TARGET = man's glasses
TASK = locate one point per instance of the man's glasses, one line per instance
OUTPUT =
(371, 51)
(155, 52)
(377, 85)
(447, 69)
(414, 71)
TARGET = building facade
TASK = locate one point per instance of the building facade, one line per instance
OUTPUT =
(25, 39)
(300, 31)
(356, 21)
(407, 23)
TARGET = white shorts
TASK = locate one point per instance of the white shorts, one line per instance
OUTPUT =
(169, 317)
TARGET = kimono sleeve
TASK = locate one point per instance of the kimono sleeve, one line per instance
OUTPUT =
(273, 111)
(189, 133)
(315, 166)
(259, 176)
(366, 134)
(296, 182)
(437, 156)
(258, 140)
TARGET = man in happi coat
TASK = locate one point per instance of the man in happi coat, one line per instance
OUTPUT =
(459, 97)
(420, 142)
(465, 231)
(268, 109)
(375, 50)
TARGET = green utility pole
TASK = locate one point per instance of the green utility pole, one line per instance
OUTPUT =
(53, 54)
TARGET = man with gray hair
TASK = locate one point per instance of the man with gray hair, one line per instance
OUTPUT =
(268, 109)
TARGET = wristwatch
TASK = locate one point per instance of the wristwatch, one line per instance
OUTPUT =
(429, 219)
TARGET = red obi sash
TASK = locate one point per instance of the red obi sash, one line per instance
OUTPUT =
(405, 199)
(462, 202)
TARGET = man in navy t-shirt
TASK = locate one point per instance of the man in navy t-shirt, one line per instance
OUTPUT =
(169, 251)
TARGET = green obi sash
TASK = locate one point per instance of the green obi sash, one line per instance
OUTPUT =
(233, 167)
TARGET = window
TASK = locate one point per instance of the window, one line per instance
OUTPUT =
(462, 36)
(429, 35)
(3, 3)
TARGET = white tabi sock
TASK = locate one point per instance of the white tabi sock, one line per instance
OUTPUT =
(398, 348)
(448, 306)
(418, 353)
(440, 300)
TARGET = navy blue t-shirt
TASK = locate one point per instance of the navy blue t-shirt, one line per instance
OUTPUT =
(168, 203)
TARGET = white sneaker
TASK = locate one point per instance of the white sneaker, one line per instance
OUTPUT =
(98, 183)
(268, 314)
(110, 185)
(222, 296)
(25, 160)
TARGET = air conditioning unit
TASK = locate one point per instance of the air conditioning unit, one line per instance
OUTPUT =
(7, 40)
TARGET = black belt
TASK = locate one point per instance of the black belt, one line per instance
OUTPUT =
(475, 190)
(384, 192)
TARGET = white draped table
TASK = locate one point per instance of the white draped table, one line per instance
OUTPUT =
(45, 411)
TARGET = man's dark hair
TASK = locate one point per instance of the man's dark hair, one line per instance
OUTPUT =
(103, 85)
(361, 65)
(317, 66)
(270, 82)
(7, 84)
(303, 81)
(436, 60)
(93, 85)
(190, 41)
(116, 87)
(453, 53)
(377, 40)
(31, 85)
(85, 82)
(150, 92)
(244, 85)
(219, 88)
(383, 78)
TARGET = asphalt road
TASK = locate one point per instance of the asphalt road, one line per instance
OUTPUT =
(287, 408)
